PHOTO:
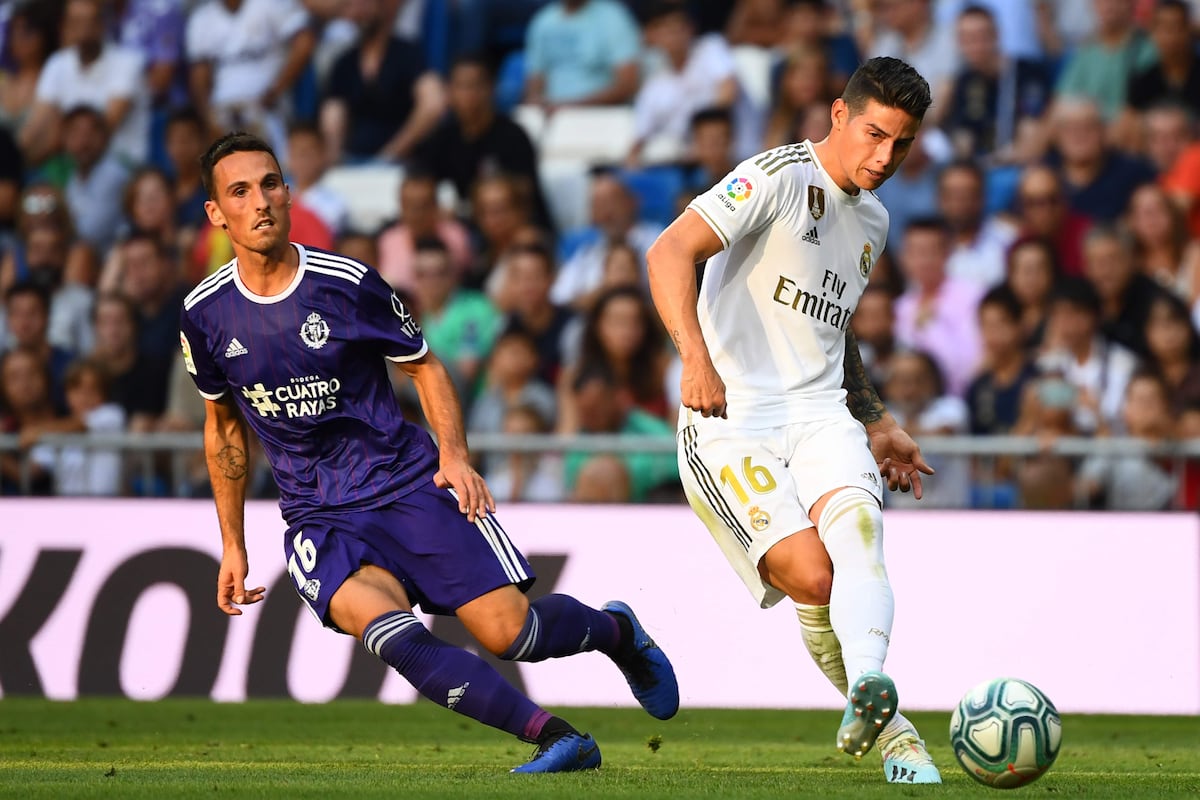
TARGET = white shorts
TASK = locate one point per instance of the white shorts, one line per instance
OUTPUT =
(752, 488)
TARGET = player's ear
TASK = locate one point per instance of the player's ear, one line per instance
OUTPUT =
(214, 214)
(839, 114)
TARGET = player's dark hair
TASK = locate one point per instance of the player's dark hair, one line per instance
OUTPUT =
(963, 165)
(1079, 293)
(711, 114)
(889, 82)
(31, 289)
(227, 145)
(1003, 298)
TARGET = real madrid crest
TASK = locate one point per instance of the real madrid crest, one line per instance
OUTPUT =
(816, 202)
(864, 261)
(759, 519)
(315, 331)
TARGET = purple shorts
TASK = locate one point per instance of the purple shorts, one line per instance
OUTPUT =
(442, 560)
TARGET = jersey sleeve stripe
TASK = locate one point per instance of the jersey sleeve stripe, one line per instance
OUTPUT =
(328, 259)
(712, 223)
(216, 396)
(218, 274)
(411, 356)
(201, 292)
(335, 272)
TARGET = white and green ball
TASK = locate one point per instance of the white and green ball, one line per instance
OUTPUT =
(1005, 733)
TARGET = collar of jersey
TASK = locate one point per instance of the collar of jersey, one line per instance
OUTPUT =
(848, 199)
(275, 298)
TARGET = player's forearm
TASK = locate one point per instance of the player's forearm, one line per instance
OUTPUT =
(225, 449)
(672, 275)
(861, 397)
(439, 401)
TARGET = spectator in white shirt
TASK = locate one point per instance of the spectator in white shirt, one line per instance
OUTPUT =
(698, 73)
(980, 240)
(90, 72)
(614, 221)
(244, 57)
(911, 33)
(83, 470)
(97, 180)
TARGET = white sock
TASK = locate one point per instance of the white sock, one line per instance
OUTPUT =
(861, 605)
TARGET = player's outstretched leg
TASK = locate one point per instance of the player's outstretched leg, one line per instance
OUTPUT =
(644, 664)
(872, 703)
(905, 759)
(465, 683)
(558, 625)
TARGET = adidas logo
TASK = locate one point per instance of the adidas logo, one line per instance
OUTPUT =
(235, 349)
(811, 237)
(456, 694)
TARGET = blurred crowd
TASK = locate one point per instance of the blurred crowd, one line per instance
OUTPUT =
(1042, 275)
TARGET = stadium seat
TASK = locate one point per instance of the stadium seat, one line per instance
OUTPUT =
(372, 192)
(594, 135)
(1001, 188)
(510, 81)
(533, 120)
(657, 189)
(565, 184)
(753, 67)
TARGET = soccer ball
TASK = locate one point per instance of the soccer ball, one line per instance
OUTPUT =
(1005, 733)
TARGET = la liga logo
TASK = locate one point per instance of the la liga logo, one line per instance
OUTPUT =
(739, 189)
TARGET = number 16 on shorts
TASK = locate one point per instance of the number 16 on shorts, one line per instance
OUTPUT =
(302, 562)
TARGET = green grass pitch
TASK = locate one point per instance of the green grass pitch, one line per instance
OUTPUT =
(177, 749)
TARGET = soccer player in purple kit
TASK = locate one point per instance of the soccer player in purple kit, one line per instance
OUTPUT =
(294, 342)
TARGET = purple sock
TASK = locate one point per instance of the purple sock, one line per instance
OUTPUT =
(559, 625)
(452, 677)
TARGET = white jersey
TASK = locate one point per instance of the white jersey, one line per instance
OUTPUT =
(775, 304)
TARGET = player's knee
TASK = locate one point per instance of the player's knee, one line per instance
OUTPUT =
(501, 637)
(811, 586)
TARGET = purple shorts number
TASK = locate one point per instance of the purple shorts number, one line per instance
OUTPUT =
(441, 558)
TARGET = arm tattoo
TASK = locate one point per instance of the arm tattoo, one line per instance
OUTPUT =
(232, 461)
(678, 340)
(861, 397)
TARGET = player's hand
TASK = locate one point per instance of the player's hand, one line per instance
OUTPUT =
(900, 460)
(231, 584)
(701, 389)
(474, 497)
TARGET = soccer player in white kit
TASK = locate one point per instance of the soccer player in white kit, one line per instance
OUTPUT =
(782, 438)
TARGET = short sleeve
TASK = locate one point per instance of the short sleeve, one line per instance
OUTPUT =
(292, 18)
(744, 201)
(624, 36)
(49, 85)
(386, 322)
(200, 47)
(198, 360)
(535, 47)
(126, 79)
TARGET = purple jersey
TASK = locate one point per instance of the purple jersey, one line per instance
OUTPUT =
(307, 367)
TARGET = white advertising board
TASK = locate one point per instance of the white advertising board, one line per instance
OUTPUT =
(1102, 611)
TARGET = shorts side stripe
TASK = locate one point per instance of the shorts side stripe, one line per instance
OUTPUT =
(491, 521)
(512, 567)
(709, 487)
